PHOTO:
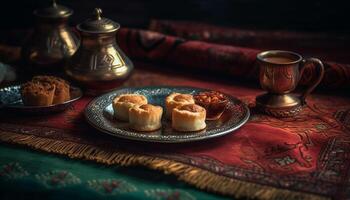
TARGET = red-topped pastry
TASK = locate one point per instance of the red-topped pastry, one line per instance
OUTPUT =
(214, 103)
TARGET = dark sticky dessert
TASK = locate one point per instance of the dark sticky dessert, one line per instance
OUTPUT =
(214, 103)
(37, 94)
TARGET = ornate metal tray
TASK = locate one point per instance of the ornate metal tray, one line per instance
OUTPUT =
(10, 100)
(99, 113)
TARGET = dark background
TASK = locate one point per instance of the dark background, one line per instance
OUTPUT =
(307, 15)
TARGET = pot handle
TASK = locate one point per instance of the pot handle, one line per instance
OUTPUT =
(320, 70)
(76, 32)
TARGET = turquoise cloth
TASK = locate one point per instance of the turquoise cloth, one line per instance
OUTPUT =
(27, 174)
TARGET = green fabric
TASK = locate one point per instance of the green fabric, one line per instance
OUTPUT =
(27, 174)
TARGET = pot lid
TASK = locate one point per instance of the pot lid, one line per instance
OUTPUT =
(54, 11)
(98, 24)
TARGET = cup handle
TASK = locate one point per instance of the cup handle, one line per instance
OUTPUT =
(319, 66)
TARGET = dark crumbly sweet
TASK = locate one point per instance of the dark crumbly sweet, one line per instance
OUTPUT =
(37, 94)
(62, 93)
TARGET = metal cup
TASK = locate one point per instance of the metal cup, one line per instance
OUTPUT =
(280, 73)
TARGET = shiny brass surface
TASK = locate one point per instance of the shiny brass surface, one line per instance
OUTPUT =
(280, 79)
(99, 65)
(54, 11)
(98, 24)
(285, 105)
(52, 41)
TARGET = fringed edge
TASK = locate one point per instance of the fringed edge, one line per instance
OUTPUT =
(200, 178)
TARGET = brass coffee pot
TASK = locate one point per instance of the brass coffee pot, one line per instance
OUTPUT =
(52, 41)
(98, 65)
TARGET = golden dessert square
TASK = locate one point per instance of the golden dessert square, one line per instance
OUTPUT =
(62, 92)
(122, 104)
(190, 117)
(37, 94)
(176, 99)
(145, 117)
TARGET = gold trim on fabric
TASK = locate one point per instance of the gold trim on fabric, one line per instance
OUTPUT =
(200, 178)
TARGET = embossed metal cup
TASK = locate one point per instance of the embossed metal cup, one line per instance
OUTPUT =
(280, 73)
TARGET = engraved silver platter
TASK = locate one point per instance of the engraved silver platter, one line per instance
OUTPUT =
(11, 100)
(99, 113)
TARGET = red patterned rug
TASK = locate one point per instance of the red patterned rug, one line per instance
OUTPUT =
(306, 157)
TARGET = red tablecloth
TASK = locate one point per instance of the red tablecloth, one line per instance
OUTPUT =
(304, 157)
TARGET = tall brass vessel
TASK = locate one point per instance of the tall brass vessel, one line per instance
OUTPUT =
(99, 65)
(52, 41)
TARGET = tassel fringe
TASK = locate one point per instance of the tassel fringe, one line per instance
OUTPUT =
(200, 178)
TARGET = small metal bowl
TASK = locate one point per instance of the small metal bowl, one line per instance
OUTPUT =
(11, 100)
